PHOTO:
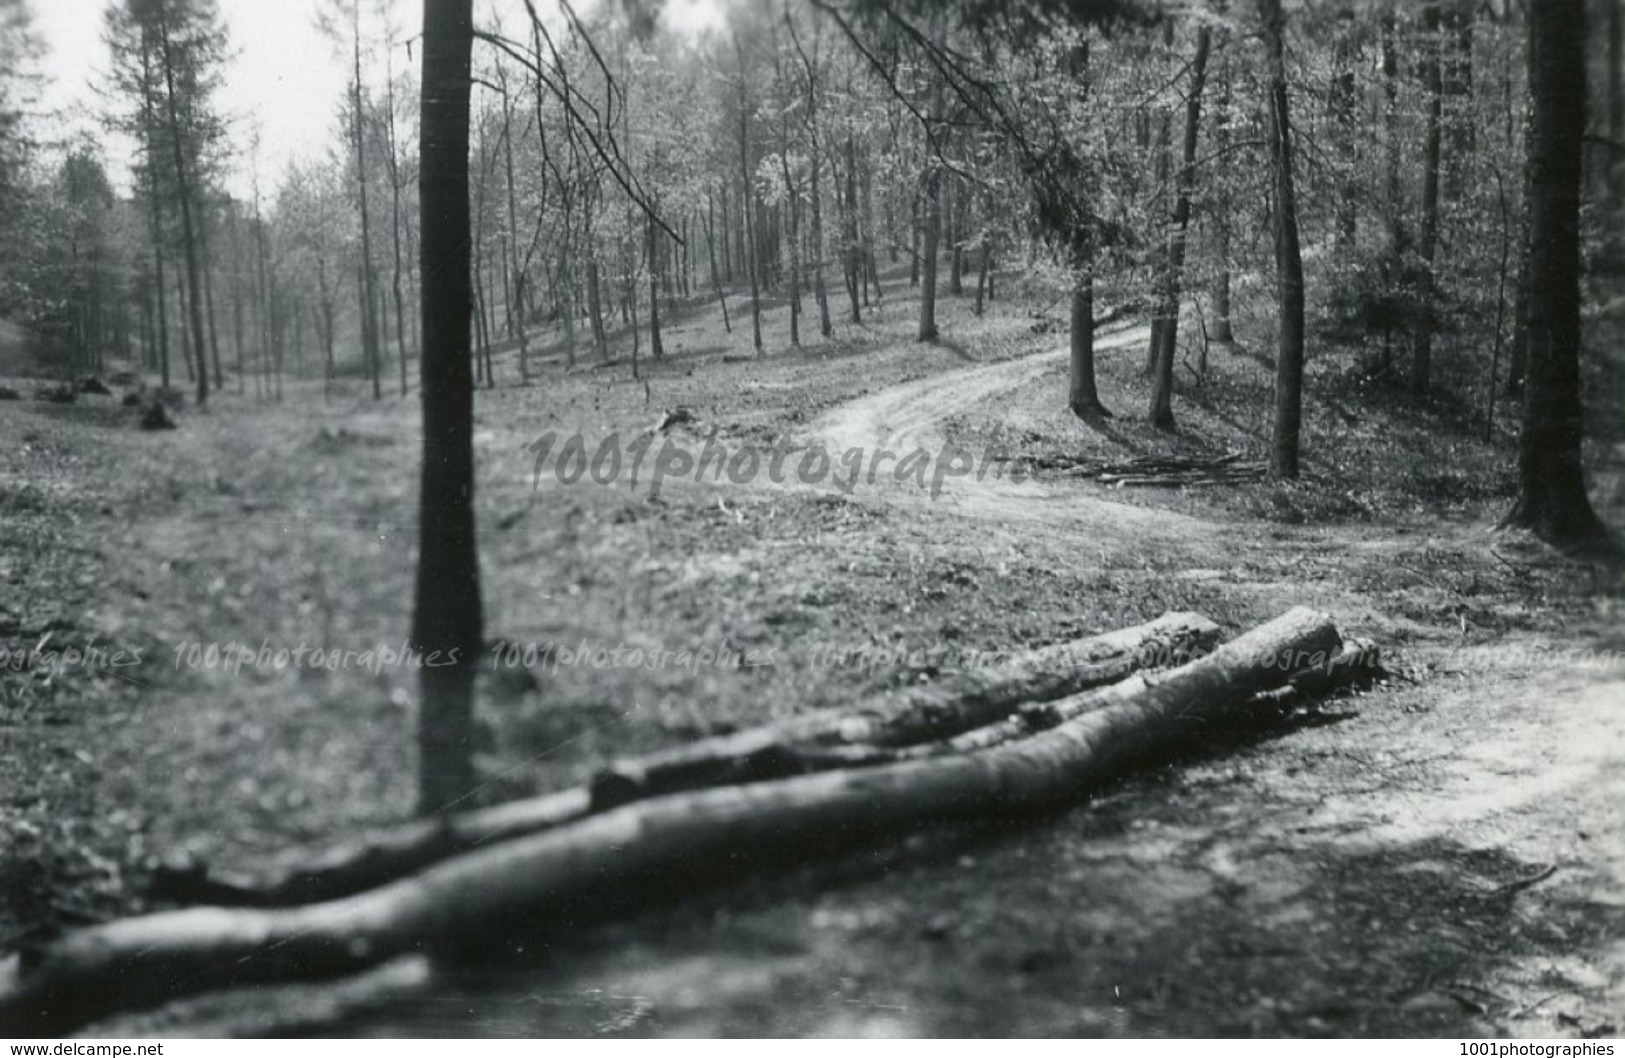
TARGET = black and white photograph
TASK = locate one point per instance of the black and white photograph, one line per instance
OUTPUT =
(819, 519)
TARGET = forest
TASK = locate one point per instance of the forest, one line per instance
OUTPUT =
(818, 517)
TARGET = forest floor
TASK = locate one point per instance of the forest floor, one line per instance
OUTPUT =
(1447, 858)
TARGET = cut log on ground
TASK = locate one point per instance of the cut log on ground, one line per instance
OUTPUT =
(1157, 471)
(960, 702)
(955, 703)
(662, 845)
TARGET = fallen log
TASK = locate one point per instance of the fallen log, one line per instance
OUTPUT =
(1357, 661)
(663, 842)
(960, 701)
(376, 857)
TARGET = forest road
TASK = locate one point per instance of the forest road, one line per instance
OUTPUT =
(910, 416)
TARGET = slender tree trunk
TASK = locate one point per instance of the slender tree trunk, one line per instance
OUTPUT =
(447, 620)
(657, 349)
(727, 246)
(1160, 268)
(933, 235)
(160, 297)
(981, 272)
(181, 312)
(1391, 137)
(1422, 352)
(595, 308)
(1553, 501)
(1222, 330)
(1288, 255)
(237, 314)
(395, 216)
(1162, 408)
(792, 219)
(208, 302)
(914, 227)
(516, 305)
(369, 327)
(850, 255)
(820, 292)
(630, 304)
(711, 255)
(745, 196)
(868, 241)
(183, 193)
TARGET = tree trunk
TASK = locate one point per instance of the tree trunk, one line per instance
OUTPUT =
(849, 234)
(1084, 399)
(1553, 501)
(1222, 330)
(395, 217)
(867, 241)
(237, 314)
(914, 228)
(183, 193)
(932, 189)
(1393, 196)
(657, 349)
(661, 846)
(1422, 353)
(208, 302)
(160, 295)
(595, 307)
(792, 220)
(981, 272)
(369, 326)
(1616, 102)
(711, 254)
(1288, 255)
(447, 618)
(186, 333)
(1160, 255)
(1162, 390)
(750, 235)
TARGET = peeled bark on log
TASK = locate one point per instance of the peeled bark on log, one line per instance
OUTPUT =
(964, 700)
(657, 843)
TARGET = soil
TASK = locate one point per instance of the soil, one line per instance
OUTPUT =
(1442, 855)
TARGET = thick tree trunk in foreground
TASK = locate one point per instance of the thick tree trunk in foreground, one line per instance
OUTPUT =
(446, 611)
(953, 704)
(1288, 255)
(1553, 502)
(645, 849)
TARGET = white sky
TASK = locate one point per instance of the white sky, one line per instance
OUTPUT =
(285, 78)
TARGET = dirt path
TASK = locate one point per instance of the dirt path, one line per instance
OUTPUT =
(910, 416)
